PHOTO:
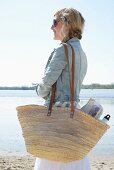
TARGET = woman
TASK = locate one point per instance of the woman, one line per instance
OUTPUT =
(67, 27)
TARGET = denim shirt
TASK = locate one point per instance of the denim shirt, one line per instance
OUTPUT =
(56, 70)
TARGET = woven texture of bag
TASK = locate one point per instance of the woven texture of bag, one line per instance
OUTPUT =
(59, 137)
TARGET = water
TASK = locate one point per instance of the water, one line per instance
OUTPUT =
(11, 139)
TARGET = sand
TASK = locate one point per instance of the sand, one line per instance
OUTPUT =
(102, 163)
(26, 162)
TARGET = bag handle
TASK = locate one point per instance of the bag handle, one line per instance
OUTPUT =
(52, 99)
(72, 80)
(71, 83)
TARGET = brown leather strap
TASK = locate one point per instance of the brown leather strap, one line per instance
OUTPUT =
(73, 71)
(52, 99)
(71, 83)
(72, 80)
(66, 52)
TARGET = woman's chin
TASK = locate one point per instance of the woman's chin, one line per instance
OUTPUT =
(56, 38)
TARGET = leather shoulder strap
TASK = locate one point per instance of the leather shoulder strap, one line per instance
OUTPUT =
(52, 99)
(71, 83)
(72, 80)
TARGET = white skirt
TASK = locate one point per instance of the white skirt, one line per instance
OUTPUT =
(43, 164)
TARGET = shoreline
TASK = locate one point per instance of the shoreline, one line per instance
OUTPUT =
(19, 161)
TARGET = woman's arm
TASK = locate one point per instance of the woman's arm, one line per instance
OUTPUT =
(52, 72)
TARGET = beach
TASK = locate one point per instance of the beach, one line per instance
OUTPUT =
(102, 162)
(16, 162)
(26, 162)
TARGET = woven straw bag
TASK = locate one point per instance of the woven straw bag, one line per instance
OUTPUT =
(64, 135)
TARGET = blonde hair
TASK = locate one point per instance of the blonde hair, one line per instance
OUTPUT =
(72, 20)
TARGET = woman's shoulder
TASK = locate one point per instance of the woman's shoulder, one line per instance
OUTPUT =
(72, 41)
(61, 48)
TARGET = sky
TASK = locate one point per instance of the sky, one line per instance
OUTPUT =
(26, 39)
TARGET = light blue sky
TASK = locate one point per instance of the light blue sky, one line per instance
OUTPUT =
(26, 39)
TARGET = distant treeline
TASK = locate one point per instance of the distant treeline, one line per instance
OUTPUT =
(90, 86)
(98, 86)
(17, 88)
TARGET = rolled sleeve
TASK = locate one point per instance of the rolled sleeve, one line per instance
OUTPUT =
(43, 90)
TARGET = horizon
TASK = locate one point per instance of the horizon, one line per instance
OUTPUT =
(29, 86)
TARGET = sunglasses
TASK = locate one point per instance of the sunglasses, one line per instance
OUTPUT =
(55, 22)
